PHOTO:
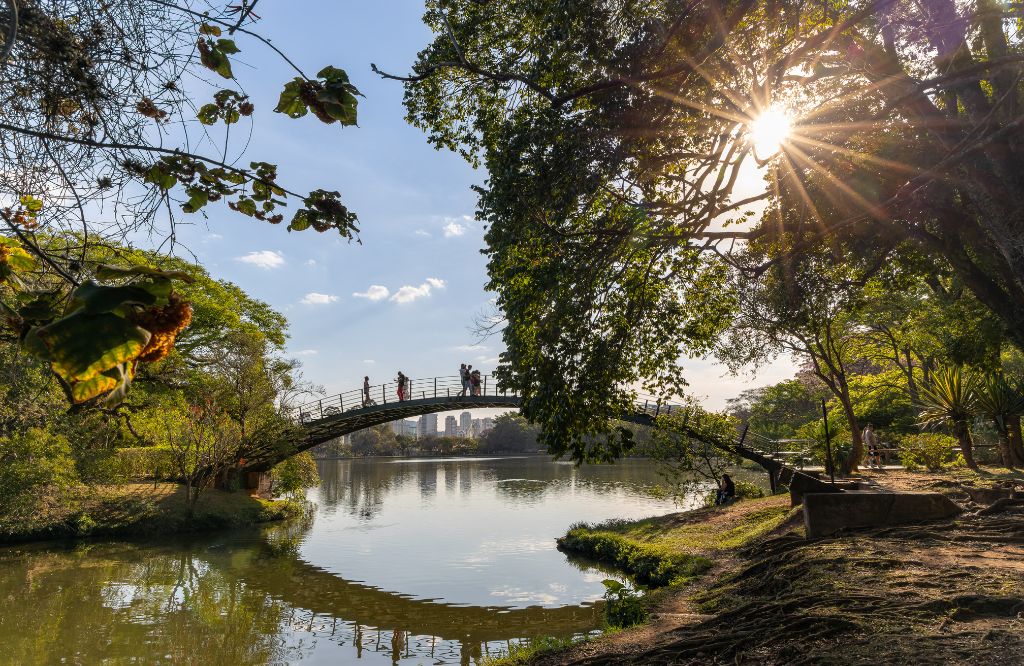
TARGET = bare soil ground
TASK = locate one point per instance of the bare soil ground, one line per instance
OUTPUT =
(941, 593)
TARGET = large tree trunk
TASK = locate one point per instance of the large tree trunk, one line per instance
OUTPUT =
(857, 449)
(1003, 443)
(963, 435)
(1016, 441)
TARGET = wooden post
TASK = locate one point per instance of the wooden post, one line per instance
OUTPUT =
(828, 444)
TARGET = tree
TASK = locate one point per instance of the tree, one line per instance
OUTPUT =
(203, 441)
(1000, 402)
(511, 433)
(777, 411)
(292, 476)
(99, 100)
(687, 446)
(377, 440)
(951, 399)
(617, 137)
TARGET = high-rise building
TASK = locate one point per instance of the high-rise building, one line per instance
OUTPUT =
(427, 426)
(477, 428)
(404, 427)
(487, 424)
(451, 426)
(466, 424)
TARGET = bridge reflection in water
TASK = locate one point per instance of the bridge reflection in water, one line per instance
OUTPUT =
(468, 543)
(238, 601)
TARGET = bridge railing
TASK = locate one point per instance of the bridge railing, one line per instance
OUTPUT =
(387, 394)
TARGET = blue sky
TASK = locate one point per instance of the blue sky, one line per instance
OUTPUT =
(406, 297)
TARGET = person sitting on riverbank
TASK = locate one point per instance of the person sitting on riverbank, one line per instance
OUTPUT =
(726, 491)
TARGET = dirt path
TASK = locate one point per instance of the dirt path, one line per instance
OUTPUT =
(943, 593)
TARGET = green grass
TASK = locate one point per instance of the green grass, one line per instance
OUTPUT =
(676, 548)
(136, 509)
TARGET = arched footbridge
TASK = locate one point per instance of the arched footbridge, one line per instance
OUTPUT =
(328, 418)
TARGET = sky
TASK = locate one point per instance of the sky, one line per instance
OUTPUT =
(406, 297)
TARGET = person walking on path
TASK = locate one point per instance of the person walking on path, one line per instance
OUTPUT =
(366, 392)
(870, 440)
(464, 376)
(402, 379)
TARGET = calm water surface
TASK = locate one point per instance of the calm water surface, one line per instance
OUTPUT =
(404, 562)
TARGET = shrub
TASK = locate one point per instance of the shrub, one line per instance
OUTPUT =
(648, 565)
(624, 606)
(127, 464)
(36, 457)
(295, 474)
(29, 461)
(748, 490)
(929, 450)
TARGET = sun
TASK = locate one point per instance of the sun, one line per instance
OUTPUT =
(768, 131)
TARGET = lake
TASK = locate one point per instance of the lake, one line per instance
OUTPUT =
(404, 561)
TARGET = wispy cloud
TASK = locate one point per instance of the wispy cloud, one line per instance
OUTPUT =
(421, 232)
(453, 228)
(409, 293)
(311, 262)
(305, 352)
(313, 298)
(369, 361)
(376, 292)
(470, 348)
(265, 259)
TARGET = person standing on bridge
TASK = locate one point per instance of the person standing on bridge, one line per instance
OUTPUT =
(402, 379)
(366, 391)
(464, 376)
(474, 380)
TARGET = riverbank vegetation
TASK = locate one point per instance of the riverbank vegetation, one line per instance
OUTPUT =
(193, 416)
(923, 594)
(137, 509)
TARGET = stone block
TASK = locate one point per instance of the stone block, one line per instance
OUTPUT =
(826, 513)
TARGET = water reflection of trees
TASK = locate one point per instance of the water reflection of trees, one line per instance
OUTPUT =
(240, 600)
(361, 487)
(118, 603)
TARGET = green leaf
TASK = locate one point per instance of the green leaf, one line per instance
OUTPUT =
(300, 222)
(207, 29)
(18, 260)
(208, 114)
(93, 298)
(227, 46)
(214, 58)
(290, 103)
(31, 204)
(108, 272)
(612, 586)
(246, 206)
(82, 345)
(198, 198)
(161, 177)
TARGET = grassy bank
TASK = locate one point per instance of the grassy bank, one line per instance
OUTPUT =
(674, 549)
(137, 509)
(948, 592)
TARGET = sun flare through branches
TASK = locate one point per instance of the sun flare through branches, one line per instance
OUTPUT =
(768, 131)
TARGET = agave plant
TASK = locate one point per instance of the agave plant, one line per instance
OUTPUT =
(1002, 403)
(951, 400)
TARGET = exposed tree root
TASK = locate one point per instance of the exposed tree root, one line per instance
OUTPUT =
(945, 593)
